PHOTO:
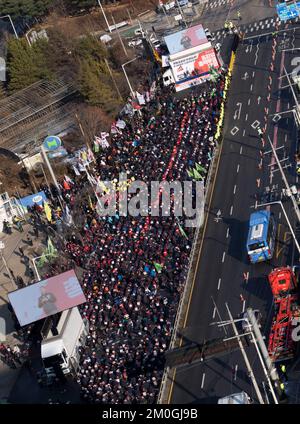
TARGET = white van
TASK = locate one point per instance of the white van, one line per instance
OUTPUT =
(168, 78)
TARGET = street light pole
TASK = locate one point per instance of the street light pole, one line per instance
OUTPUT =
(277, 202)
(35, 267)
(295, 204)
(127, 79)
(8, 16)
(248, 365)
(47, 162)
(105, 18)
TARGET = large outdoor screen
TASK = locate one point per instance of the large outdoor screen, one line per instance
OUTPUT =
(47, 297)
(185, 39)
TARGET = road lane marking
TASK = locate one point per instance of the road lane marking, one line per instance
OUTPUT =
(214, 312)
(244, 306)
(235, 371)
(251, 86)
(202, 382)
(278, 249)
(244, 133)
(231, 209)
(197, 265)
(249, 101)
(238, 168)
(227, 233)
(241, 149)
(223, 257)
(219, 283)
(234, 130)
(234, 189)
(279, 215)
(246, 117)
(253, 74)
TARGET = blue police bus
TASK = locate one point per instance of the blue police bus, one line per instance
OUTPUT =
(261, 236)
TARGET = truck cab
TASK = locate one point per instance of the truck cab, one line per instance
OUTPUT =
(168, 78)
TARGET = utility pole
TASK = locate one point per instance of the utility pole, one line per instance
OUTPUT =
(120, 38)
(248, 365)
(113, 79)
(46, 179)
(105, 18)
(262, 346)
(295, 204)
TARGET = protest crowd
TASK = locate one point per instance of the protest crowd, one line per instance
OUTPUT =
(135, 267)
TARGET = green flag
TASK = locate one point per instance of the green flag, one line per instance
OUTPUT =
(200, 168)
(41, 262)
(182, 230)
(197, 176)
(158, 267)
(190, 173)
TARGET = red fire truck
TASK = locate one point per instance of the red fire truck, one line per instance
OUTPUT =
(283, 285)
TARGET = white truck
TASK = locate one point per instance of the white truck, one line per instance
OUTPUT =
(62, 349)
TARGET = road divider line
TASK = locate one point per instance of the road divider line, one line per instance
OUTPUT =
(227, 233)
(241, 149)
(202, 382)
(231, 209)
(234, 189)
(223, 257)
(238, 168)
(251, 87)
(219, 283)
(214, 312)
(249, 101)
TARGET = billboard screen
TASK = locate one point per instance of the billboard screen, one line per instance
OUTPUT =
(185, 39)
(194, 64)
(47, 297)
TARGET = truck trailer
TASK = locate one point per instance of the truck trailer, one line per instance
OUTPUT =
(62, 349)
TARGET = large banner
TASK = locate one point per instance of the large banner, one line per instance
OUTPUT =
(47, 297)
(185, 39)
(194, 65)
(33, 199)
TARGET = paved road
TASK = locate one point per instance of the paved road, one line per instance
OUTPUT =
(236, 190)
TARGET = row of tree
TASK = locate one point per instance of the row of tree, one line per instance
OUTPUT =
(40, 8)
(84, 61)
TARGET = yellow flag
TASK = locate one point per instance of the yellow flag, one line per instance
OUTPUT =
(48, 211)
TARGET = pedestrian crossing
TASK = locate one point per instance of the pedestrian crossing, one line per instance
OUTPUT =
(266, 25)
(217, 3)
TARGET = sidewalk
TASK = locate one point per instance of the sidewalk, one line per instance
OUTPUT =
(15, 263)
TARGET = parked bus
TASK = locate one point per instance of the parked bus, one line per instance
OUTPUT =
(261, 236)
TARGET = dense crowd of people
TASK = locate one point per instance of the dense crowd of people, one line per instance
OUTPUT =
(136, 266)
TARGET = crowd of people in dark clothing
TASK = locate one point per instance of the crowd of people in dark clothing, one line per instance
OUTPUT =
(135, 267)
